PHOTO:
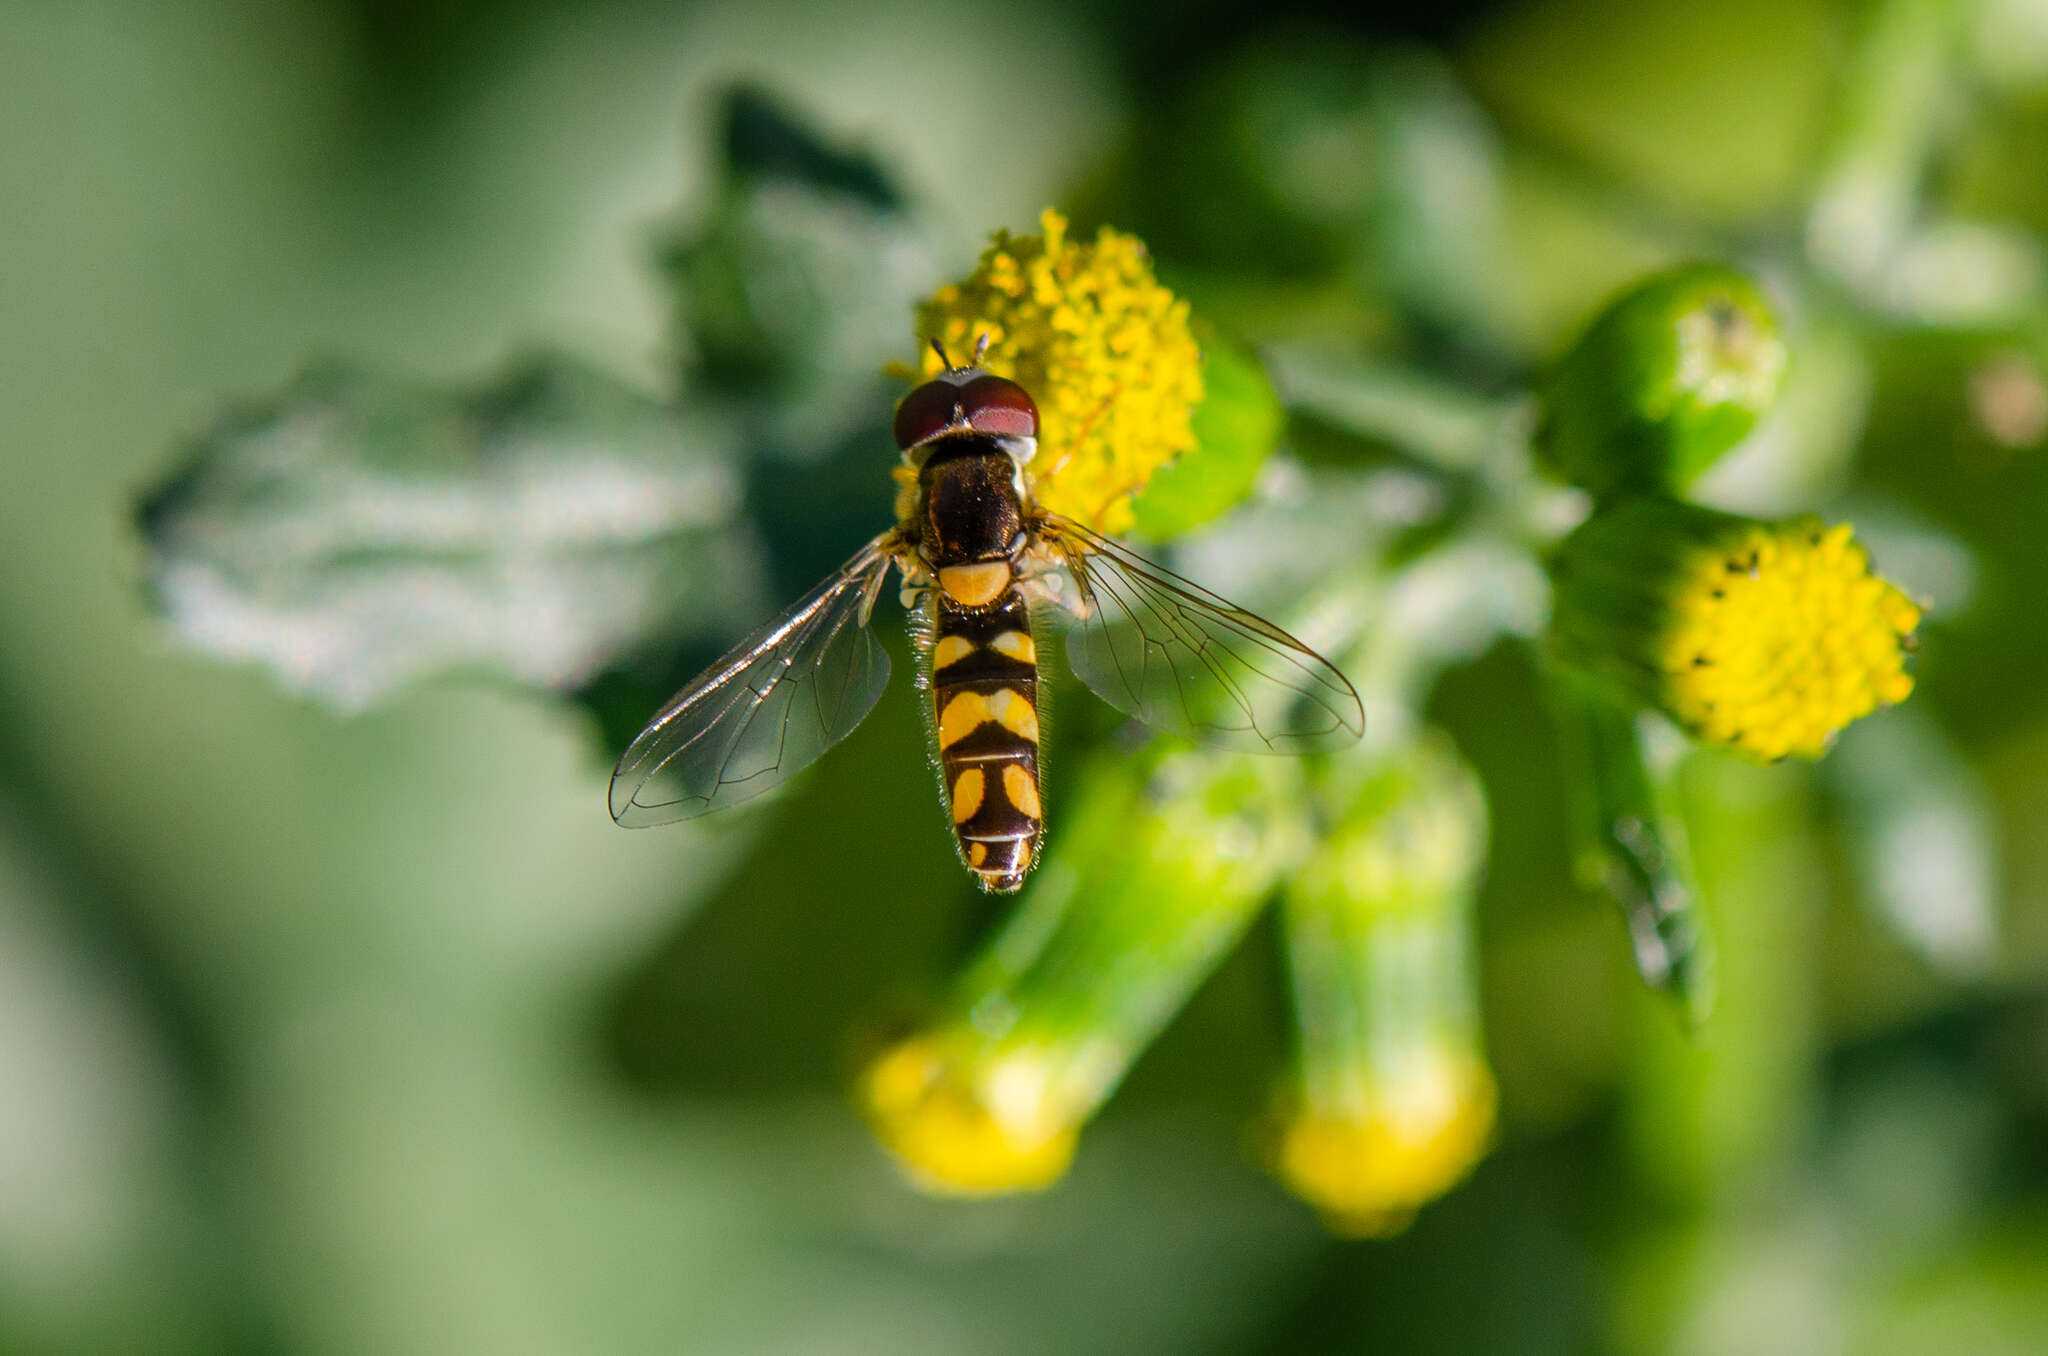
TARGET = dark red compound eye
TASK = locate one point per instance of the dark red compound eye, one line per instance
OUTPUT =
(1000, 406)
(926, 412)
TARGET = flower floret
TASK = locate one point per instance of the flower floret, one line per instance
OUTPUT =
(1103, 348)
(1783, 638)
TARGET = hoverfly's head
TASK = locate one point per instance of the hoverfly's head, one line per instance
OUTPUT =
(965, 400)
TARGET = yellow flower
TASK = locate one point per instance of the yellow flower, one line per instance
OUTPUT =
(1766, 638)
(1408, 1133)
(1102, 347)
(1782, 640)
(933, 1113)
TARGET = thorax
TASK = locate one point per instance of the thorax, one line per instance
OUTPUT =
(971, 503)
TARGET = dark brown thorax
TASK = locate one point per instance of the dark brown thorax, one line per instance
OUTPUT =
(968, 505)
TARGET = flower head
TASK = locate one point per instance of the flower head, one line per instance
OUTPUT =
(1417, 1130)
(1390, 1102)
(1766, 638)
(942, 1116)
(1103, 348)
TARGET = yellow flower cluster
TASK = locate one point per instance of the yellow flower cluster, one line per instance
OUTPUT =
(1102, 347)
(935, 1118)
(1782, 637)
(1367, 1167)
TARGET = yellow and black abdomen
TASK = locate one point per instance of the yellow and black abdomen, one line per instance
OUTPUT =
(984, 693)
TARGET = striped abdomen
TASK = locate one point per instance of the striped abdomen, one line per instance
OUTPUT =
(984, 691)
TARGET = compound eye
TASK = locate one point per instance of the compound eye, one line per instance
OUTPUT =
(999, 406)
(927, 412)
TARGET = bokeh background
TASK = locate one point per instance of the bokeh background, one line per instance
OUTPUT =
(373, 1034)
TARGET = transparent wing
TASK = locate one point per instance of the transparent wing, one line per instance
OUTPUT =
(780, 698)
(1181, 659)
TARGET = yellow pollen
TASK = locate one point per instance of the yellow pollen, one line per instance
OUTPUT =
(928, 1112)
(1014, 713)
(975, 585)
(1022, 789)
(1105, 351)
(1778, 641)
(1017, 645)
(963, 715)
(951, 650)
(967, 794)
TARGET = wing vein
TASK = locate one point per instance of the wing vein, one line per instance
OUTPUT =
(765, 710)
(1173, 654)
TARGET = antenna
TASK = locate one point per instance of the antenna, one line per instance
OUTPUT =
(940, 349)
(980, 347)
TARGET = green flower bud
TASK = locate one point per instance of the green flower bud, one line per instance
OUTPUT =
(1127, 915)
(1673, 373)
(1390, 1101)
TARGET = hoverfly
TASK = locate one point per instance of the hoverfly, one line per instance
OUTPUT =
(982, 568)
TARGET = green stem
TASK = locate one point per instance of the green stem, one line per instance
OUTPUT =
(1446, 426)
(1628, 844)
(1888, 128)
(1171, 857)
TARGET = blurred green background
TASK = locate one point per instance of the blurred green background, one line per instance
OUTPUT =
(373, 1034)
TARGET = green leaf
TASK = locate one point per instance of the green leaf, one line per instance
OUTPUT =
(799, 283)
(1417, 414)
(1237, 426)
(354, 535)
(765, 140)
